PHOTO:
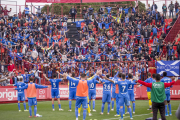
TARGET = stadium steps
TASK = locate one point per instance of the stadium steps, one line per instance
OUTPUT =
(72, 33)
(172, 34)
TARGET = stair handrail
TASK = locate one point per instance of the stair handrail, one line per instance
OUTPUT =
(178, 19)
(172, 27)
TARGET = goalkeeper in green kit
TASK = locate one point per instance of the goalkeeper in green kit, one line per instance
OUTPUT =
(158, 95)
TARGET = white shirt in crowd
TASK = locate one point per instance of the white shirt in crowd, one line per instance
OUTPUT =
(37, 73)
(19, 76)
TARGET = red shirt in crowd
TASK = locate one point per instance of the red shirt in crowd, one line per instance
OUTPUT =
(11, 67)
(5, 12)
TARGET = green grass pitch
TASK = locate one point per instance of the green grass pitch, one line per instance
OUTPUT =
(10, 112)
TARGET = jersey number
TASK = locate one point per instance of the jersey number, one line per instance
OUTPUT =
(54, 85)
(92, 85)
(73, 84)
(124, 87)
(130, 86)
(107, 87)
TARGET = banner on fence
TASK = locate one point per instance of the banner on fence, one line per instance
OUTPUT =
(171, 67)
(9, 94)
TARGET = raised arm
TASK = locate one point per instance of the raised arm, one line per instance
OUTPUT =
(116, 74)
(3, 79)
(169, 84)
(108, 79)
(145, 84)
(68, 52)
(22, 88)
(65, 75)
(45, 77)
(59, 73)
(40, 86)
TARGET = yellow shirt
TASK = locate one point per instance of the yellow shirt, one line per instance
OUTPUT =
(118, 18)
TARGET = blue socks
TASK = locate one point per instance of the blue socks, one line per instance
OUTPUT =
(109, 107)
(76, 112)
(90, 104)
(35, 110)
(30, 111)
(93, 104)
(112, 104)
(124, 109)
(59, 106)
(19, 106)
(121, 110)
(169, 106)
(53, 106)
(102, 108)
(84, 114)
(166, 112)
(70, 103)
(130, 112)
(24, 104)
(117, 109)
(117, 105)
(133, 107)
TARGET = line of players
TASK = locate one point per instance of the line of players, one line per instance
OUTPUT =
(126, 92)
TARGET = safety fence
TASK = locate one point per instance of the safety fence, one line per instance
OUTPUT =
(8, 94)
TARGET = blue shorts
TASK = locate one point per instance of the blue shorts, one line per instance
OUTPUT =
(168, 96)
(81, 101)
(131, 95)
(32, 101)
(21, 97)
(113, 93)
(55, 93)
(72, 95)
(92, 95)
(106, 97)
(124, 99)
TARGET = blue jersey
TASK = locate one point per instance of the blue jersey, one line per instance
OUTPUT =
(72, 85)
(114, 79)
(92, 86)
(55, 83)
(123, 86)
(26, 77)
(166, 80)
(131, 86)
(20, 85)
(106, 86)
(109, 9)
(149, 80)
(113, 85)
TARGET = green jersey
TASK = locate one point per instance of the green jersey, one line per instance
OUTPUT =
(158, 92)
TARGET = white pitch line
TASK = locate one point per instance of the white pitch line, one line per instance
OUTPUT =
(21, 102)
(127, 117)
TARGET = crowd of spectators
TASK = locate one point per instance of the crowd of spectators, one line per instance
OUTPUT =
(38, 43)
